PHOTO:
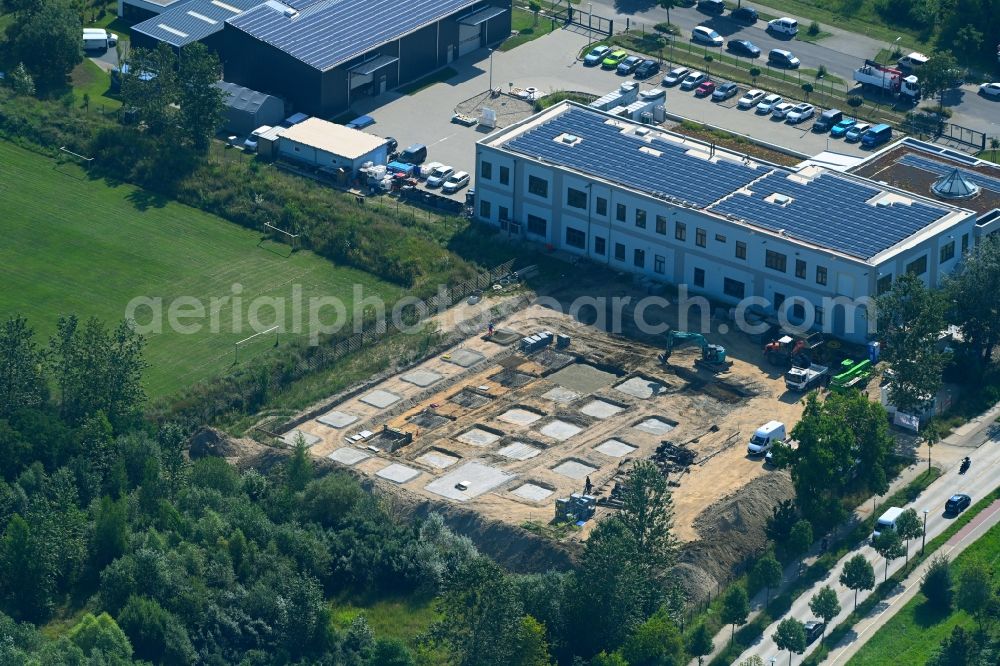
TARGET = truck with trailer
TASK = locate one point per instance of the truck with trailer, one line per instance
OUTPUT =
(804, 379)
(892, 80)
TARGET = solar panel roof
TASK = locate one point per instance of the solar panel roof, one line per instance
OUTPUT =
(942, 169)
(192, 21)
(830, 210)
(327, 33)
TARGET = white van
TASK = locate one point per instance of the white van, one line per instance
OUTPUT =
(765, 437)
(913, 61)
(887, 521)
(783, 26)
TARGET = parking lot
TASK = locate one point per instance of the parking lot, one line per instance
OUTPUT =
(550, 64)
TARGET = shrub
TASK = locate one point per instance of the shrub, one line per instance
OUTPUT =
(936, 584)
(854, 101)
(821, 72)
(814, 28)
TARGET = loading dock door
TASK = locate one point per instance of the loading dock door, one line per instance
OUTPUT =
(471, 30)
(468, 39)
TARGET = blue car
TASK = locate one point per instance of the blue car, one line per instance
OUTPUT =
(596, 55)
(840, 129)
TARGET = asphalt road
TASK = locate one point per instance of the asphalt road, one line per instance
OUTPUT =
(841, 53)
(980, 480)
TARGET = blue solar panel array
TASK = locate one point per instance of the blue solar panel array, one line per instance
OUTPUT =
(833, 212)
(608, 154)
(942, 169)
(328, 33)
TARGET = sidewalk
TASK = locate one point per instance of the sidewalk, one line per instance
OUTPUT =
(867, 627)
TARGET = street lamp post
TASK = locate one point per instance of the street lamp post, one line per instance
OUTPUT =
(924, 542)
(590, 21)
(491, 71)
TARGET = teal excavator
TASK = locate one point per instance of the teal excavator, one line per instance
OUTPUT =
(713, 357)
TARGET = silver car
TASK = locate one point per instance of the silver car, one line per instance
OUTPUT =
(781, 109)
(767, 104)
(693, 80)
(438, 175)
(799, 113)
(675, 76)
(455, 182)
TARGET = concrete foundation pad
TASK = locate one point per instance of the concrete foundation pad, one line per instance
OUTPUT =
(582, 378)
(519, 416)
(519, 451)
(438, 460)
(380, 398)
(531, 492)
(337, 419)
(478, 437)
(640, 387)
(477, 478)
(398, 473)
(465, 358)
(292, 436)
(421, 378)
(655, 426)
(615, 448)
(574, 470)
(601, 409)
(560, 430)
(348, 456)
(561, 395)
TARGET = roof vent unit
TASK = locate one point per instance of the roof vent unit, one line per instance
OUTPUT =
(568, 139)
(290, 13)
(779, 199)
(642, 131)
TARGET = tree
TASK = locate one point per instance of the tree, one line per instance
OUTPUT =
(889, 546)
(957, 649)
(767, 573)
(54, 23)
(535, 8)
(754, 73)
(21, 81)
(975, 590)
(908, 526)
(656, 642)
(668, 5)
(752, 660)
(800, 538)
(858, 574)
(29, 594)
(825, 605)
(807, 88)
(101, 634)
(967, 41)
(22, 378)
(779, 525)
(974, 293)
(533, 649)
(156, 634)
(299, 469)
(699, 643)
(110, 532)
(931, 435)
(910, 317)
(938, 75)
(994, 146)
(790, 635)
(936, 584)
(647, 513)
(735, 609)
(201, 101)
(391, 652)
(608, 659)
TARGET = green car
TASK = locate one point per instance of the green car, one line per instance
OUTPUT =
(614, 59)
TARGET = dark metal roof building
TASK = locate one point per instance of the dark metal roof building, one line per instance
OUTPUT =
(247, 109)
(191, 21)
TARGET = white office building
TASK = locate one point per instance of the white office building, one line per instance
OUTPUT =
(728, 226)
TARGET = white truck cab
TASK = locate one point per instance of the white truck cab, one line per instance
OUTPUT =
(765, 437)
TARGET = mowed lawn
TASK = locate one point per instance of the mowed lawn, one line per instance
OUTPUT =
(76, 245)
(915, 633)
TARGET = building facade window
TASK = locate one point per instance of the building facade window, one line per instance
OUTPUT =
(948, 252)
(741, 250)
(819, 316)
(734, 288)
(537, 225)
(640, 218)
(661, 225)
(821, 275)
(965, 243)
(576, 238)
(776, 261)
(680, 231)
(719, 238)
(621, 212)
(504, 175)
(486, 171)
(576, 198)
(883, 284)
(779, 300)
(484, 208)
(699, 277)
(917, 266)
(639, 258)
(619, 252)
(798, 311)
(538, 186)
(800, 269)
(599, 245)
(700, 237)
(504, 213)
(601, 206)
(659, 264)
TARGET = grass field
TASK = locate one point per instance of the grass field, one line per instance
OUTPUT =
(916, 631)
(75, 245)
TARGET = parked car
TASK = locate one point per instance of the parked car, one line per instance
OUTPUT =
(956, 504)
(455, 182)
(414, 154)
(628, 65)
(705, 35)
(596, 55)
(714, 7)
(990, 90)
(800, 113)
(783, 58)
(705, 89)
(724, 92)
(751, 98)
(744, 15)
(440, 174)
(767, 104)
(693, 80)
(613, 59)
(426, 169)
(827, 120)
(646, 69)
(744, 47)
(841, 128)
(876, 136)
(814, 629)
(781, 109)
(783, 26)
(855, 133)
(675, 76)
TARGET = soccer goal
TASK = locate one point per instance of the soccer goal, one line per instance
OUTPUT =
(77, 158)
(254, 340)
(287, 236)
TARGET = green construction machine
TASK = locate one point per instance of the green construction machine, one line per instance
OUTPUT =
(853, 374)
(713, 357)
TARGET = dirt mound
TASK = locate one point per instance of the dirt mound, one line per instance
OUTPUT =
(212, 442)
(731, 532)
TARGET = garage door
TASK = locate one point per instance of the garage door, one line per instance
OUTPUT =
(468, 39)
